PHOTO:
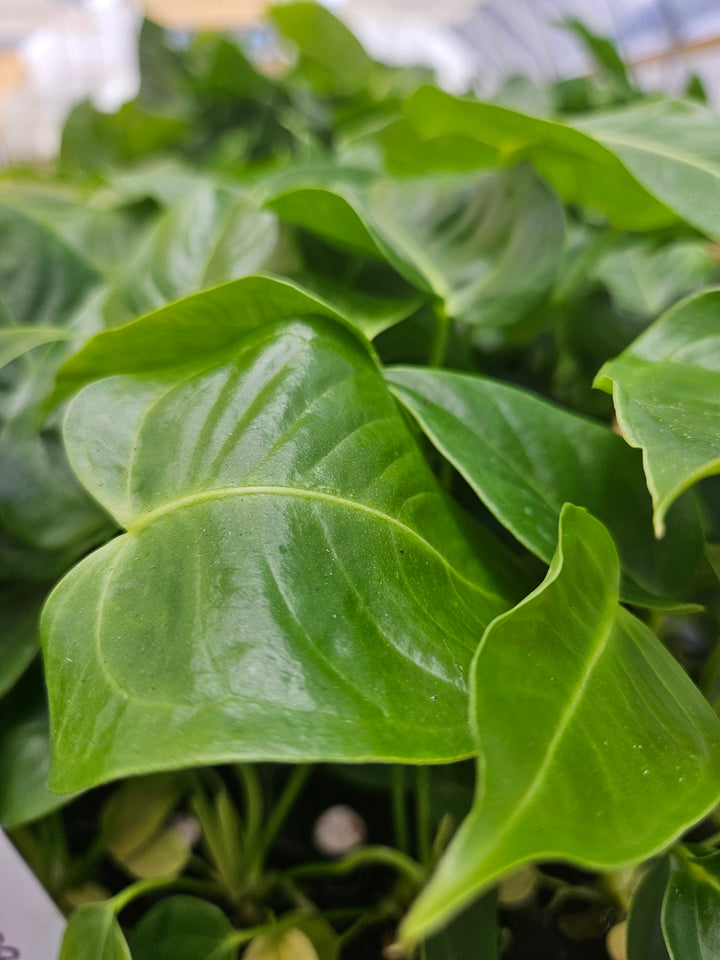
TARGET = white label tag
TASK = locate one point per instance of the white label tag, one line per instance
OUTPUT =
(31, 926)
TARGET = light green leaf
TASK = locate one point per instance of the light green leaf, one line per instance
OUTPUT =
(182, 928)
(691, 908)
(488, 247)
(207, 238)
(584, 723)
(666, 388)
(331, 58)
(525, 457)
(15, 341)
(93, 933)
(291, 586)
(645, 940)
(642, 166)
(205, 323)
(290, 944)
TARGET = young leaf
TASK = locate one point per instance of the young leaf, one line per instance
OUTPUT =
(488, 247)
(691, 908)
(93, 933)
(645, 940)
(635, 165)
(584, 723)
(291, 585)
(290, 944)
(666, 388)
(182, 928)
(525, 457)
(206, 323)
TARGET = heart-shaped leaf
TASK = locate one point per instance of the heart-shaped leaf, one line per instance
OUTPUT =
(666, 388)
(291, 585)
(584, 723)
(525, 457)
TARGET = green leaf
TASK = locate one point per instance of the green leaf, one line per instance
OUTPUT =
(292, 585)
(25, 754)
(488, 247)
(205, 323)
(182, 928)
(286, 944)
(583, 723)
(15, 341)
(93, 933)
(642, 166)
(666, 389)
(20, 605)
(525, 457)
(645, 940)
(605, 56)
(331, 58)
(203, 240)
(691, 908)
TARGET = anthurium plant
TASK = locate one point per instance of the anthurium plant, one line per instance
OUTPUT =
(357, 447)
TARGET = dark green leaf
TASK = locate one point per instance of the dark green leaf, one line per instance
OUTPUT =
(525, 457)
(666, 388)
(691, 908)
(584, 723)
(292, 585)
(19, 629)
(645, 940)
(182, 928)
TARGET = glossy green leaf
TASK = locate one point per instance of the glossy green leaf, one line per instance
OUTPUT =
(207, 238)
(666, 389)
(691, 908)
(206, 323)
(15, 341)
(525, 457)
(291, 585)
(331, 58)
(93, 933)
(19, 629)
(25, 754)
(182, 928)
(489, 248)
(642, 166)
(584, 723)
(645, 939)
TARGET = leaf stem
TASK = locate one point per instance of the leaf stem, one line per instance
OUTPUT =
(296, 781)
(422, 810)
(364, 856)
(135, 890)
(250, 782)
(399, 808)
(438, 348)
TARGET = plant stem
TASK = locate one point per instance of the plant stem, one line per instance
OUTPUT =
(294, 785)
(399, 808)
(139, 889)
(438, 348)
(422, 809)
(387, 856)
(250, 782)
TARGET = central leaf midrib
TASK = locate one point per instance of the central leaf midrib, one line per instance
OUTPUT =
(144, 520)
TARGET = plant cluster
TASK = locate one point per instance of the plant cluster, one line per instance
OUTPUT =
(357, 446)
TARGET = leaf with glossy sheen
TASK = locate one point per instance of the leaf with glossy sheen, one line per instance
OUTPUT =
(93, 933)
(182, 928)
(583, 723)
(208, 237)
(525, 457)
(20, 605)
(291, 586)
(212, 321)
(691, 908)
(488, 247)
(666, 389)
(645, 940)
(642, 166)
(25, 754)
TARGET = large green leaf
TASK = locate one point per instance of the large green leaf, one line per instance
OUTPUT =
(525, 457)
(209, 322)
(691, 908)
(291, 585)
(584, 723)
(203, 240)
(666, 388)
(182, 928)
(642, 166)
(487, 247)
